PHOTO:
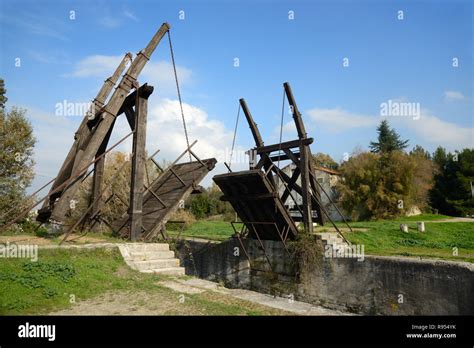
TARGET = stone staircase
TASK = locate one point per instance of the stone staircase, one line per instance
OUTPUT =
(333, 239)
(151, 258)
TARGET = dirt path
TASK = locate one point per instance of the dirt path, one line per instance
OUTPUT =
(194, 285)
(175, 301)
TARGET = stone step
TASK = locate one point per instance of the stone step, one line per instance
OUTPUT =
(167, 271)
(144, 247)
(151, 258)
(154, 264)
(150, 255)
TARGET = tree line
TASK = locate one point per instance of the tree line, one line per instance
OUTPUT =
(383, 182)
(388, 181)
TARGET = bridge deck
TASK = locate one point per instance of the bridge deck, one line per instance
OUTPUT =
(258, 206)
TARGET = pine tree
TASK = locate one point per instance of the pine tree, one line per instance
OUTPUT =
(388, 140)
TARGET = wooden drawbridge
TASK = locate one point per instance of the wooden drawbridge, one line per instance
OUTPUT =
(261, 196)
(151, 204)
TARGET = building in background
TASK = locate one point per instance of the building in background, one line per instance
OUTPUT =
(328, 180)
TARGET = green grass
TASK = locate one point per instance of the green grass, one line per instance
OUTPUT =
(385, 238)
(422, 217)
(213, 230)
(37, 287)
(382, 237)
(47, 285)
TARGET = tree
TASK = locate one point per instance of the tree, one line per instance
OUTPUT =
(423, 179)
(420, 151)
(384, 185)
(200, 206)
(208, 203)
(452, 192)
(16, 160)
(324, 160)
(388, 140)
(440, 157)
(3, 91)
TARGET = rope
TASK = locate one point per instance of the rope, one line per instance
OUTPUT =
(235, 134)
(179, 94)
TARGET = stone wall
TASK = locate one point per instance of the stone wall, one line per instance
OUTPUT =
(377, 285)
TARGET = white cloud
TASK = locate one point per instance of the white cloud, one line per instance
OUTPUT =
(429, 128)
(159, 74)
(436, 131)
(165, 132)
(95, 66)
(338, 120)
(453, 96)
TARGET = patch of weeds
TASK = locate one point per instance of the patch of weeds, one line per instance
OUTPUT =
(49, 292)
(307, 253)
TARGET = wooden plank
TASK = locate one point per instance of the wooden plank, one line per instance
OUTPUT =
(285, 145)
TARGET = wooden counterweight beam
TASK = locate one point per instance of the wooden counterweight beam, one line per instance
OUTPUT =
(98, 102)
(305, 158)
(253, 126)
(108, 115)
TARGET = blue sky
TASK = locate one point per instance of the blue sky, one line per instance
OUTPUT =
(409, 60)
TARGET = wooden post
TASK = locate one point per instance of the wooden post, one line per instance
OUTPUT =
(98, 178)
(306, 195)
(138, 164)
(305, 167)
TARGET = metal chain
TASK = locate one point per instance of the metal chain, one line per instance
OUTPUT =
(179, 94)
